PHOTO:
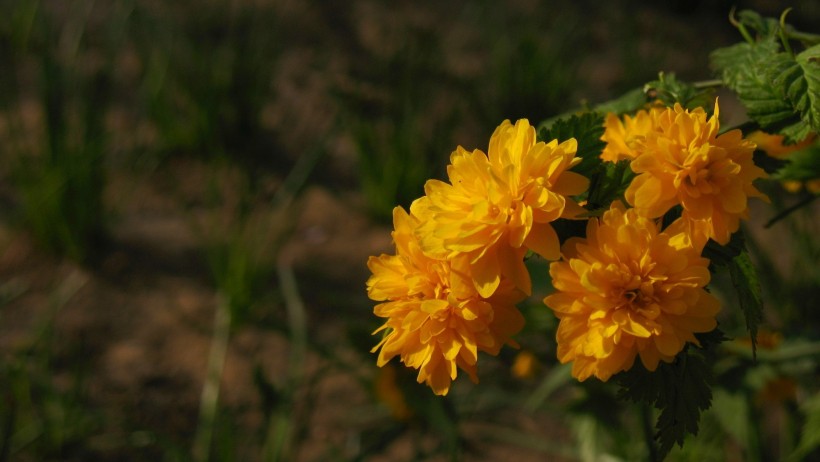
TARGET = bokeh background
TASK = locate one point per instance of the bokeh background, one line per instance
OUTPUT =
(190, 190)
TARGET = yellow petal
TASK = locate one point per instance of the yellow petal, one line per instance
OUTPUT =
(486, 273)
(512, 266)
(570, 184)
(543, 240)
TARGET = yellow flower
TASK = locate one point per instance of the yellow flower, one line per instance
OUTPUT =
(525, 365)
(795, 186)
(685, 162)
(629, 290)
(774, 147)
(389, 393)
(499, 205)
(436, 320)
(773, 144)
(792, 186)
(623, 139)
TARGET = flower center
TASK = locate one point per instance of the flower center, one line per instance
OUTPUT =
(639, 297)
(696, 180)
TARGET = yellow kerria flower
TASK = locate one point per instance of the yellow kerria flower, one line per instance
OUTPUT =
(525, 365)
(774, 147)
(499, 205)
(388, 392)
(629, 290)
(436, 320)
(684, 161)
(623, 138)
(773, 144)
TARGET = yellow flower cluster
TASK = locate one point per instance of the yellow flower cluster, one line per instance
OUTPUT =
(631, 288)
(450, 291)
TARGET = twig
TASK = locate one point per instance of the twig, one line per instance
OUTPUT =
(786, 212)
(708, 84)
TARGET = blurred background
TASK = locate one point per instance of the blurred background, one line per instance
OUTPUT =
(190, 190)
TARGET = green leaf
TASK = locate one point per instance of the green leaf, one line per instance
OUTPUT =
(768, 163)
(781, 92)
(740, 62)
(767, 28)
(608, 180)
(628, 103)
(681, 390)
(732, 411)
(810, 435)
(747, 285)
(670, 90)
(744, 68)
(797, 81)
(723, 255)
(587, 128)
(809, 62)
(801, 165)
(608, 184)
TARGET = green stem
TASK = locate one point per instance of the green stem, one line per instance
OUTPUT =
(783, 353)
(281, 429)
(784, 40)
(740, 26)
(708, 84)
(805, 37)
(648, 435)
(209, 399)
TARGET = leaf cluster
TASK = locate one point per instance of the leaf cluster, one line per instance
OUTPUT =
(607, 180)
(680, 390)
(669, 90)
(776, 75)
(734, 257)
(780, 89)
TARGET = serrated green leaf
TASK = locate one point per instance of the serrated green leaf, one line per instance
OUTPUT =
(608, 184)
(809, 62)
(608, 180)
(722, 255)
(781, 93)
(587, 129)
(797, 81)
(744, 68)
(735, 63)
(680, 390)
(747, 285)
